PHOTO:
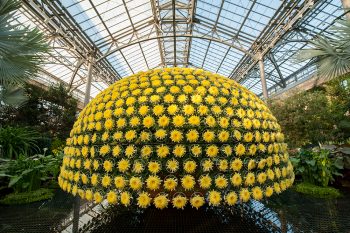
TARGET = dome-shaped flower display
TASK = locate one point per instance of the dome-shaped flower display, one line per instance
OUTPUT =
(175, 137)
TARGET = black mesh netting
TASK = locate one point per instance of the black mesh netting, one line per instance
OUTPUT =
(289, 212)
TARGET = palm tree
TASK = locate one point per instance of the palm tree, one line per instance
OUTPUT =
(331, 53)
(20, 53)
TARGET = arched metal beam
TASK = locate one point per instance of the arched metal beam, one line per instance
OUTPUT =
(77, 67)
(178, 36)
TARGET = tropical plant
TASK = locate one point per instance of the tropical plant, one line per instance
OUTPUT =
(317, 166)
(21, 52)
(15, 141)
(29, 173)
(332, 53)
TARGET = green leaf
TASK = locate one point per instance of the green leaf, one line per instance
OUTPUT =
(14, 180)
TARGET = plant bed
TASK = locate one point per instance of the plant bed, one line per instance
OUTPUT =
(27, 197)
(317, 191)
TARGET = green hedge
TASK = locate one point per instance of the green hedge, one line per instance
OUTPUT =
(27, 197)
(317, 191)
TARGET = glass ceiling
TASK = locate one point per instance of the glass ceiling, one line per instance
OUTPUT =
(122, 37)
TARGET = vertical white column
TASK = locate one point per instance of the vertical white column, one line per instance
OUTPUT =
(88, 82)
(263, 79)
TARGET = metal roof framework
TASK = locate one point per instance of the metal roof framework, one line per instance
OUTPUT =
(229, 37)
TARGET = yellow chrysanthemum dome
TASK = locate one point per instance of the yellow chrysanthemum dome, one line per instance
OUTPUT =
(172, 137)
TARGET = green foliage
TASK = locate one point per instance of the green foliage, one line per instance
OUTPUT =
(332, 53)
(317, 115)
(52, 112)
(316, 166)
(29, 173)
(27, 197)
(17, 141)
(317, 191)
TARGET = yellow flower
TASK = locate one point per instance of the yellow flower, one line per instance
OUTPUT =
(116, 151)
(188, 182)
(190, 166)
(135, 183)
(240, 149)
(196, 99)
(168, 98)
(107, 165)
(276, 187)
(112, 197)
(210, 99)
(212, 151)
(172, 109)
(194, 120)
(105, 149)
(134, 121)
(138, 167)
(197, 201)
(179, 201)
(223, 165)
(179, 150)
(117, 135)
(148, 122)
(221, 182)
(153, 182)
(251, 164)
(130, 135)
(224, 122)
(176, 136)
(87, 164)
(119, 182)
(188, 109)
(261, 163)
(250, 179)
(223, 136)
(109, 123)
(236, 164)
(207, 165)
(247, 123)
(192, 135)
(118, 112)
(214, 198)
(196, 150)
(125, 198)
(161, 201)
(163, 121)
(123, 165)
(210, 121)
(205, 182)
(248, 137)
(105, 136)
(244, 195)
(262, 177)
(121, 122)
(130, 151)
(172, 165)
(96, 165)
(154, 167)
(98, 197)
(252, 149)
(178, 121)
(170, 184)
(237, 135)
(160, 134)
(257, 193)
(227, 150)
(202, 110)
(143, 110)
(231, 198)
(143, 200)
(106, 181)
(162, 151)
(236, 179)
(158, 110)
(88, 195)
(208, 136)
(268, 191)
(240, 112)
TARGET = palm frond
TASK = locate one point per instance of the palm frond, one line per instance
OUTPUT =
(13, 96)
(21, 48)
(332, 54)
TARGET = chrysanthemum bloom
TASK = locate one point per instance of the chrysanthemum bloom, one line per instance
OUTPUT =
(172, 137)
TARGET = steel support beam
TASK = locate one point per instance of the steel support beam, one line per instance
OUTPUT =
(88, 82)
(263, 79)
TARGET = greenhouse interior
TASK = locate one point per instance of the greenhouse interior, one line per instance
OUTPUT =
(157, 116)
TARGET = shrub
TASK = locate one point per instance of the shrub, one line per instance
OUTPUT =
(317, 191)
(27, 197)
(29, 173)
(18, 140)
(317, 166)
